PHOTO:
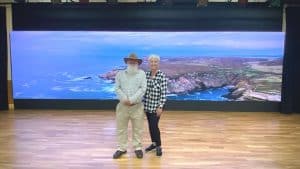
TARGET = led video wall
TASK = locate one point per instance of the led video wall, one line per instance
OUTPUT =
(214, 66)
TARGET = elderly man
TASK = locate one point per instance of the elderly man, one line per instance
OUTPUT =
(130, 88)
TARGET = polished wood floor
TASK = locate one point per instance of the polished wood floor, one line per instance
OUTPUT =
(59, 139)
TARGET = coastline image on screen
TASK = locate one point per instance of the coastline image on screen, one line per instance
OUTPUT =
(212, 66)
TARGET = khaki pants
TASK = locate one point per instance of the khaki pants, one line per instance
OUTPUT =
(135, 114)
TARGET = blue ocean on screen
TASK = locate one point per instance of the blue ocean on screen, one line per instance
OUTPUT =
(69, 64)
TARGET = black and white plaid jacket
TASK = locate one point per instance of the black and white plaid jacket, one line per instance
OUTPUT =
(156, 91)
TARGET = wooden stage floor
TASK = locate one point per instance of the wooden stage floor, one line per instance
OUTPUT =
(66, 139)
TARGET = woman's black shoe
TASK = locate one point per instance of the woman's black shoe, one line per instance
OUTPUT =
(158, 151)
(151, 147)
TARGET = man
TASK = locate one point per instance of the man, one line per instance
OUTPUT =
(130, 88)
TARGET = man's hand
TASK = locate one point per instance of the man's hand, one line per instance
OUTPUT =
(127, 103)
(159, 111)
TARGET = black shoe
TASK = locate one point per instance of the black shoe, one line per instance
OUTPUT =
(118, 154)
(139, 153)
(158, 151)
(151, 147)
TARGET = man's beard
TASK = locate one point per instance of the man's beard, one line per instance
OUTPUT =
(132, 69)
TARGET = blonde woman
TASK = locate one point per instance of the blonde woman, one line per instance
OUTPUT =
(154, 101)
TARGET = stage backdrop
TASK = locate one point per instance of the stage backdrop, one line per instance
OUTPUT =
(149, 18)
(3, 60)
(291, 81)
(205, 66)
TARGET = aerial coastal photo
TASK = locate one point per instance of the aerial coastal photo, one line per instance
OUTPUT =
(211, 66)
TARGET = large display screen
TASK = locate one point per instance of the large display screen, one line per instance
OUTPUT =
(213, 66)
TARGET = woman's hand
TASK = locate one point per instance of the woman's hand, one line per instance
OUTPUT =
(159, 111)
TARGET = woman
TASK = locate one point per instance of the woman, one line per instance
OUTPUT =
(154, 101)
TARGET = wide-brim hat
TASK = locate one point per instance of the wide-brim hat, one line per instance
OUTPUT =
(133, 56)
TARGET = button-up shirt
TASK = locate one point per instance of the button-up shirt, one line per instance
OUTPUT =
(131, 87)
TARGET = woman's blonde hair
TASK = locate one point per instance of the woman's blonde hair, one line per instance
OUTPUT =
(153, 56)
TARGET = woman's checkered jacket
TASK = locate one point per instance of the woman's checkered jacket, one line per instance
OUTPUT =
(156, 91)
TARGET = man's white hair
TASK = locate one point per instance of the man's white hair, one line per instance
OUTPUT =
(153, 56)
